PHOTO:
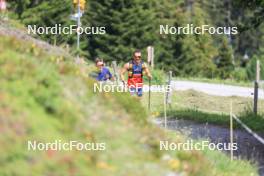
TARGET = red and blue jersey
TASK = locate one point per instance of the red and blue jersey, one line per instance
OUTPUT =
(135, 74)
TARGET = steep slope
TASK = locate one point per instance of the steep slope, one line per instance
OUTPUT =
(45, 97)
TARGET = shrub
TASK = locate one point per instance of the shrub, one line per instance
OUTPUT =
(158, 77)
(251, 67)
(240, 74)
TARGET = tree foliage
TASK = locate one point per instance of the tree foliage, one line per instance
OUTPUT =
(135, 24)
(225, 60)
(129, 25)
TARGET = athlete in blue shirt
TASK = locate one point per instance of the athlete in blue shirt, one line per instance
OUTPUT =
(104, 74)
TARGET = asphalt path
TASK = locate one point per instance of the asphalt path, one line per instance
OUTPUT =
(217, 89)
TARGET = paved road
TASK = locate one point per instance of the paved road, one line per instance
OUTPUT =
(217, 89)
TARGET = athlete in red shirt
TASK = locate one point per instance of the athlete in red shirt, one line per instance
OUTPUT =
(136, 69)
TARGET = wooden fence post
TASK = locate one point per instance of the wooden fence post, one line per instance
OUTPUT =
(231, 131)
(256, 86)
(165, 110)
(114, 65)
(168, 89)
(150, 51)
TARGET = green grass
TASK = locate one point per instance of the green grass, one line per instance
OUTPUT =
(201, 107)
(218, 104)
(252, 121)
(44, 101)
(47, 98)
(191, 99)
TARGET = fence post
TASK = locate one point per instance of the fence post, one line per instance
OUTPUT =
(256, 86)
(231, 130)
(150, 51)
(114, 65)
(165, 110)
(168, 89)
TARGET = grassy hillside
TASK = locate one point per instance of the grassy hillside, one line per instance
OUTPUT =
(45, 97)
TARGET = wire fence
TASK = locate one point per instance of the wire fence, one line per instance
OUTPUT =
(255, 135)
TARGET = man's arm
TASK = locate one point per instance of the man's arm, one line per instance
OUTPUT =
(123, 71)
(111, 77)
